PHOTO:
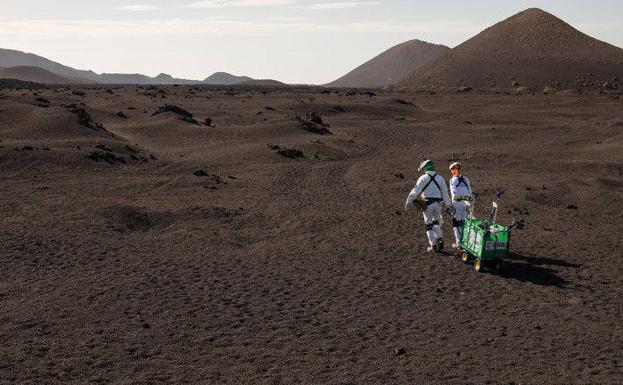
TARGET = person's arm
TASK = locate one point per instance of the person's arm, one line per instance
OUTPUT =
(469, 187)
(453, 187)
(414, 193)
(444, 194)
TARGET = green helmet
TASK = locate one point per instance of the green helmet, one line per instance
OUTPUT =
(427, 165)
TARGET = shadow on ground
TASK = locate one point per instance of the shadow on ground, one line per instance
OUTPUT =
(533, 269)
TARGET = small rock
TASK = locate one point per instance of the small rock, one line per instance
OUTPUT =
(400, 351)
(572, 206)
(122, 115)
(200, 173)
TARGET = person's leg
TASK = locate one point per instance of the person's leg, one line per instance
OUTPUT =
(429, 217)
(460, 214)
(437, 222)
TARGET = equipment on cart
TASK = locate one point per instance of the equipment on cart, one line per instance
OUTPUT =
(484, 240)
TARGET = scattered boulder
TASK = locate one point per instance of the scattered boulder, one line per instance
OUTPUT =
(78, 93)
(84, 118)
(402, 101)
(122, 115)
(572, 206)
(291, 153)
(208, 122)
(174, 109)
(106, 156)
(189, 120)
(200, 173)
(549, 90)
(312, 122)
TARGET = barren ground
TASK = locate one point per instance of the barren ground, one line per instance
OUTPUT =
(271, 270)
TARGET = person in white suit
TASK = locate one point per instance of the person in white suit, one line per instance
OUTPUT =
(462, 198)
(430, 191)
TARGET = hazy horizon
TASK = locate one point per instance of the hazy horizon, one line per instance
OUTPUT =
(295, 41)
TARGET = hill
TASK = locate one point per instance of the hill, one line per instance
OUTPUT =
(392, 65)
(224, 78)
(33, 74)
(533, 48)
(13, 58)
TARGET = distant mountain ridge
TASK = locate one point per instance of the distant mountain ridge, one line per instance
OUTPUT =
(392, 65)
(12, 58)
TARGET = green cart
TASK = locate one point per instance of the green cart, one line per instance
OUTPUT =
(484, 241)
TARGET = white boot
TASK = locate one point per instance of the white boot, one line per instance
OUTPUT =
(432, 239)
(457, 237)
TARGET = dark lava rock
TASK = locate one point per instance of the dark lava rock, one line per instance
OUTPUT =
(174, 109)
(122, 115)
(273, 146)
(339, 109)
(189, 120)
(84, 118)
(399, 175)
(200, 173)
(107, 157)
(402, 101)
(103, 147)
(42, 100)
(291, 153)
(208, 122)
(572, 206)
(312, 122)
(400, 351)
(78, 93)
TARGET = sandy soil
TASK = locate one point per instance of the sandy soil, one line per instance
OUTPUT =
(119, 265)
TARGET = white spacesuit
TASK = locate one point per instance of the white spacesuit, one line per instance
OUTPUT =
(462, 196)
(430, 190)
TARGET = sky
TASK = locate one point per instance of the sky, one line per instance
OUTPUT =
(295, 41)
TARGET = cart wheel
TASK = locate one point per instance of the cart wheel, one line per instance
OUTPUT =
(464, 256)
(499, 265)
(478, 264)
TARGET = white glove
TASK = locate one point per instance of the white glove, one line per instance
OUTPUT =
(408, 205)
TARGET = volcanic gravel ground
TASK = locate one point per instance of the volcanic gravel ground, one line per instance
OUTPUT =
(151, 249)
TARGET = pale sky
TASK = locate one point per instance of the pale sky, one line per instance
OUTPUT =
(295, 41)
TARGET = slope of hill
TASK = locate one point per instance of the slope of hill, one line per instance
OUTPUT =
(392, 65)
(533, 48)
(33, 74)
(263, 83)
(13, 58)
(223, 78)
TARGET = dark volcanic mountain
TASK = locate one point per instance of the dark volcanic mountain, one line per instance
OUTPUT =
(533, 48)
(392, 65)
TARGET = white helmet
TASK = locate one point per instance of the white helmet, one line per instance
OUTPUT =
(453, 165)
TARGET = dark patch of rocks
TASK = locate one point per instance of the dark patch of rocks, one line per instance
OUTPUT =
(291, 153)
(312, 122)
(84, 118)
(106, 156)
(78, 93)
(122, 115)
(174, 109)
(402, 101)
